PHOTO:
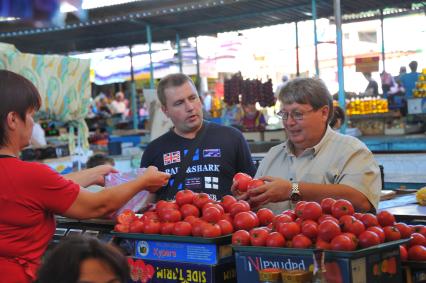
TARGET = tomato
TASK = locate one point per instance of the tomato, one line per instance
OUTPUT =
(385, 218)
(265, 216)
(184, 197)
(197, 228)
(346, 219)
(358, 215)
(379, 231)
(298, 210)
(244, 221)
(189, 209)
(419, 229)
(201, 199)
(417, 253)
(216, 205)
(368, 239)
(404, 229)
(227, 201)
(211, 230)
(212, 214)
(225, 227)
(275, 239)
(342, 207)
(282, 218)
(254, 183)
(403, 252)
(352, 237)
(122, 228)
(152, 227)
(241, 238)
(182, 228)
(136, 226)
(238, 207)
(356, 227)
(309, 228)
(126, 217)
(167, 228)
(391, 233)
(150, 215)
(170, 215)
(326, 205)
(242, 180)
(289, 230)
(416, 239)
(321, 244)
(290, 213)
(190, 219)
(227, 216)
(312, 210)
(369, 220)
(300, 241)
(162, 204)
(327, 217)
(328, 229)
(258, 237)
(342, 243)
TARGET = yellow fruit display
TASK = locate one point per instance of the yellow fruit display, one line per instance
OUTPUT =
(421, 196)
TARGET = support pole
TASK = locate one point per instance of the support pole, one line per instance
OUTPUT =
(198, 83)
(151, 65)
(314, 19)
(383, 40)
(179, 51)
(297, 52)
(135, 112)
(338, 18)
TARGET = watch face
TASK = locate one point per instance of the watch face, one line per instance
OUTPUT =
(295, 197)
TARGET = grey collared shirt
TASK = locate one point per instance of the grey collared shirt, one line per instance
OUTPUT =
(336, 159)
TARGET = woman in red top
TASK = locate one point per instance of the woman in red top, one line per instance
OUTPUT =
(31, 193)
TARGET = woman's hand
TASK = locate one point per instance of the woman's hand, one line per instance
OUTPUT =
(274, 190)
(153, 179)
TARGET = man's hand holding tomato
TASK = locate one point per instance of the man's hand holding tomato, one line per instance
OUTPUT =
(274, 190)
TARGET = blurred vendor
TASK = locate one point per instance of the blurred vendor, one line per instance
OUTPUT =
(253, 119)
(38, 137)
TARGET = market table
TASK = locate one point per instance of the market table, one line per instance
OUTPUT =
(408, 212)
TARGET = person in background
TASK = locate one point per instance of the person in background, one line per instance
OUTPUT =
(38, 136)
(213, 153)
(84, 259)
(409, 80)
(99, 159)
(402, 72)
(118, 105)
(32, 193)
(284, 81)
(315, 162)
(372, 87)
(253, 119)
(338, 118)
(231, 115)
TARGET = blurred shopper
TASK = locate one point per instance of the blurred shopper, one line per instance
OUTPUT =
(315, 162)
(338, 118)
(372, 87)
(253, 119)
(118, 105)
(231, 115)
(409, 80)
(200, 155)
(99, 159)
(32, 193)
(284, 81)
(84, 259)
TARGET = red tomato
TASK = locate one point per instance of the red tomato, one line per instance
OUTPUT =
(353, 238)
(321, 244)
(300, 241)
(212, 214)
(379, 231)
(225, 227)
(385, 218)
(290, 213)
(184, 197)
(417, 253)
(328, 229)
(404, 229)
(211, 204)
(152, 227)
(326, 205)
(150, 215)
(298, 210)
(358, 215)
(136, 226)
(310, 229)
(342, 207)
(416, 239)
(356, 227)
(182, 228)
(197, 228)
(391, 233)
(126, 217)
(419, 229)
(254, 183)
(280, 219)
(289, 230)
(403, 252)
(368, 239)
(241, 238)
(312, 210)
(190, 219)
(167, 228)
(162, 204)
(244, 221)
(238, 207)
(211, 230)
(227, 216)
(242, 180)
(258, 237)
(265, 216)
(122, 228)
(369, 220)
(346, 219)
(170, 215)
(201, 199)
(342, 243)
(275, 239)
(227, 201)
(327, 217)
(189, 209)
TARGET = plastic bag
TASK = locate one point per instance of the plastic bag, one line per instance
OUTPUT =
(140, 201)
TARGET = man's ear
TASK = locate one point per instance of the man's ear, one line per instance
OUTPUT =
(11, 120)
(164, 109)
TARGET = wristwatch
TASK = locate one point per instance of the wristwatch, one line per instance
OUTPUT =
(295, 195)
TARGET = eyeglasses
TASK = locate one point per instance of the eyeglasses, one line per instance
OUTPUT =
(295, 115)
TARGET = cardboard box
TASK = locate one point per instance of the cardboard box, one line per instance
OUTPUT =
(379, 264)
(153, 271)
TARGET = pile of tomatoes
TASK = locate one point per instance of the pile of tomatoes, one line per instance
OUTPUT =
(330, 225)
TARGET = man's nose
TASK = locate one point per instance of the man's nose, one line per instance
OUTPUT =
(189, 106)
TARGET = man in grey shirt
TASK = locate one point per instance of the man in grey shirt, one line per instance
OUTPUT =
(315, 162)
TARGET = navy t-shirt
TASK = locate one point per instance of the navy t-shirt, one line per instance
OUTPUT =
(221, 154)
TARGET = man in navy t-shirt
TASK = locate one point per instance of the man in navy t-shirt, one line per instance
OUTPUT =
(215, 153)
